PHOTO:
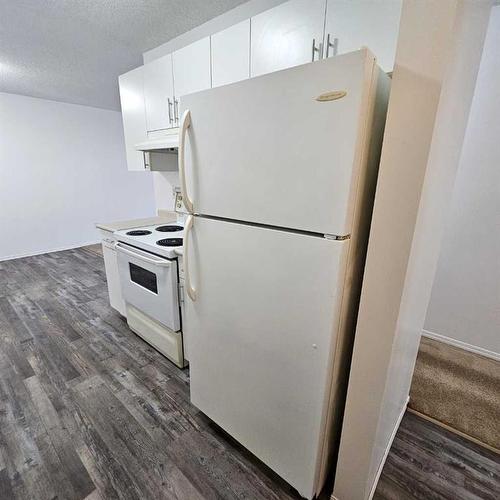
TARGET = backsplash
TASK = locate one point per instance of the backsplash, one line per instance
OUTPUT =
(164, 183)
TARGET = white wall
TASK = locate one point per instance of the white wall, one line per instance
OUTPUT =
(62, 168)
(164, 182)
(465, 300)
(437, 61)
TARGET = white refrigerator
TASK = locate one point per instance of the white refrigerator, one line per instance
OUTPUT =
(278, 173)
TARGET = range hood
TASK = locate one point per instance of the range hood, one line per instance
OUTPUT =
(160, 153)
(167, 144)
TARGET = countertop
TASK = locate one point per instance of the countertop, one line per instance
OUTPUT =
(164, 217)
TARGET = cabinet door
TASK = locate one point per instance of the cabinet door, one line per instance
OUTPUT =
(351, 24)
(112, 276)
(192, 68)
(159, 93)
(287, 35)
(133, 115)
(231, 54)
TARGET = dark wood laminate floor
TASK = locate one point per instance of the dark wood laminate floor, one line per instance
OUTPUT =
(89, 410)
(428, 462)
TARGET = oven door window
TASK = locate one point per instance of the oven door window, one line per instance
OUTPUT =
(143, 277)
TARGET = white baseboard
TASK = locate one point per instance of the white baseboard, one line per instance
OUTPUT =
(388, 449)
(461, 345)
(51, 250)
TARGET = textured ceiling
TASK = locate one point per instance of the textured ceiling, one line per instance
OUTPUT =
(74, 50)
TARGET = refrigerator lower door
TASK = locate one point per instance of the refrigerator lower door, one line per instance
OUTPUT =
(292, 139)
(262, 334)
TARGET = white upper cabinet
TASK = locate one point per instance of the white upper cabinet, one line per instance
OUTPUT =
(231, 54)
(292, 33)
(159, 93)
(192, 68)
(133, 115)
(287, 35)
(351, 24)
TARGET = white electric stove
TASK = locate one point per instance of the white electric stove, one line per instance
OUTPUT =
(164, 240)
(151, 279)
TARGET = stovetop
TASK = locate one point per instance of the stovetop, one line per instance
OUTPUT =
(162, 239)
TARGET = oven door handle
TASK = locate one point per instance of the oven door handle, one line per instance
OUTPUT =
(131, 253)
(191, 291)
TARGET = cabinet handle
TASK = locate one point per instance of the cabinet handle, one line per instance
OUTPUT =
(176, 111)
(107, 243)
(185, 124)
(334, 45)
(147, 160)
(316, 50)
(170, 118)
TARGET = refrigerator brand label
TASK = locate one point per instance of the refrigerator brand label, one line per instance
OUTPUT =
(331, 96)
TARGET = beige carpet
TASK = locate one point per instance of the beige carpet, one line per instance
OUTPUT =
(459, 389)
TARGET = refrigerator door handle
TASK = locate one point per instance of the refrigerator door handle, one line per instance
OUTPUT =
(191, 291)
(185, 124)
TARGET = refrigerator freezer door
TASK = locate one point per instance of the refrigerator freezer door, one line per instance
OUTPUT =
(282, 149)
(262, 333)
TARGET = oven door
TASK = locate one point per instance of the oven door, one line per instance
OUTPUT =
(149, 283)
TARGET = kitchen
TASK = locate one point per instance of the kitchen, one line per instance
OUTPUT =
(213, 349)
